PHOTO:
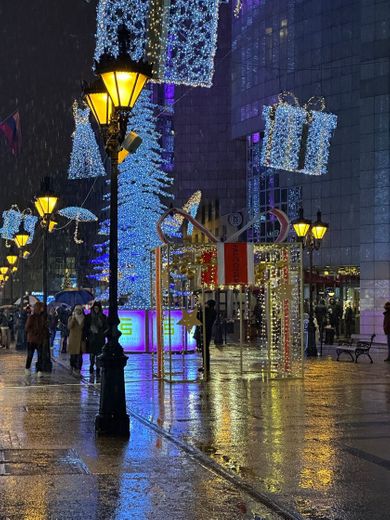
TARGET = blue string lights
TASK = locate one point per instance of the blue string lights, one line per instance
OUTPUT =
(297, 139)
(12, 219)
(85, 159)
(29, 224)
(78, 213)
(141, 185)
(318, 142)
(179, 39)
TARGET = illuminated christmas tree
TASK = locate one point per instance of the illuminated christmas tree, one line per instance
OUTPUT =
(142, 184)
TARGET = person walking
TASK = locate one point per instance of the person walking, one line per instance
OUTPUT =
(76, 339)
(36, 330)
(348, 320)
(96, 328)
(386, 327)
(209, 319)
(53, 322)
(4, 331)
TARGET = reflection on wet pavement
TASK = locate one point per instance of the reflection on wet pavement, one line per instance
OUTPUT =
(319, 447)
(53, 467)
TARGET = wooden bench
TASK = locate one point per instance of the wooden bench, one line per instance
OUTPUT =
(357, 349)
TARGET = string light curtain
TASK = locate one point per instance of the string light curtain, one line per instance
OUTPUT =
(297, 138)
(178, 37)
(85, 159)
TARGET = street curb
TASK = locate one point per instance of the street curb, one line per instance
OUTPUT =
(201, 458)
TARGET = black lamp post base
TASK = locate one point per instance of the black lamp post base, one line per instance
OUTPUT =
(113, 425)
(112, 418)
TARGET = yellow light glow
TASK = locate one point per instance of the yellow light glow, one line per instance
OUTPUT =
(100, 105)
(26, 254)
(45, 204)
(319, 230)
(124, 87)
(4, 270)
(301, 228)
(21, 239)
(122, 155)
(2, 278)
(52, 226)
(14, 269)
(12, 259)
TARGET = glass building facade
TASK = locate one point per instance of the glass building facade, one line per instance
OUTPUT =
(337, 49)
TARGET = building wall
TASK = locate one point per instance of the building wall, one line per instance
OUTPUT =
(336, 49)
(374, 163)
(205, 157)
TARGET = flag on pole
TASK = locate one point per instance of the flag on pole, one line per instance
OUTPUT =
(11, 129)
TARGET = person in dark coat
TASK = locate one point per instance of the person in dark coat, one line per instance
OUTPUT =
(210, 315)
(37, 331)
(386, 327)
(348, 320)
(96, 328)
(335, 313)
(321, 313)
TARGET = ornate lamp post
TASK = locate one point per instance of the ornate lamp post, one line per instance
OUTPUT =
(12, 259)
(111, 99)
(45, 204)
(310, 234)
(21, 240)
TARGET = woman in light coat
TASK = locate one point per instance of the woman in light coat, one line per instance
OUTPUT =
(76, 340)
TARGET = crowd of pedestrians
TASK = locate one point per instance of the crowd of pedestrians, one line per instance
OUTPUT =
(35, 331)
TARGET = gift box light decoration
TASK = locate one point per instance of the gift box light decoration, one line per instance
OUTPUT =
(12, 219)
(29, 224)
(192, 269)
(179, 38)
(296, 138)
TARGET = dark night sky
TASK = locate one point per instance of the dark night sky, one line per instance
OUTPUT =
(47, 48)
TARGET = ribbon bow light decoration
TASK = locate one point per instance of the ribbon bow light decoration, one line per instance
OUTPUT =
(297, 138)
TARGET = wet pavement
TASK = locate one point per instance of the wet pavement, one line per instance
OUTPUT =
(53, 467)
(318, 448)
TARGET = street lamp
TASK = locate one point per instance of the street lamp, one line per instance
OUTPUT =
(21, 240)
(310, 234)
(45, 204)
(110, 99)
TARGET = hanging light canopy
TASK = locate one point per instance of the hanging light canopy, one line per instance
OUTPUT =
(301, 225)
(21, 239)
(46, 201)
(319, 228)
(123, 77)
(99, 102)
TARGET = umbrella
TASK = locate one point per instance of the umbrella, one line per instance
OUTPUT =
(74, 297)
(78, 214)
(56, 305)
(28, 300)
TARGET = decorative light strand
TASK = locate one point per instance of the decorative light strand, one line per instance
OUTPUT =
(180, 39)
(85, 158)
(297, 138)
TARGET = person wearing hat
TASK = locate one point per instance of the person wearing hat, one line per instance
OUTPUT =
(386, 327)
